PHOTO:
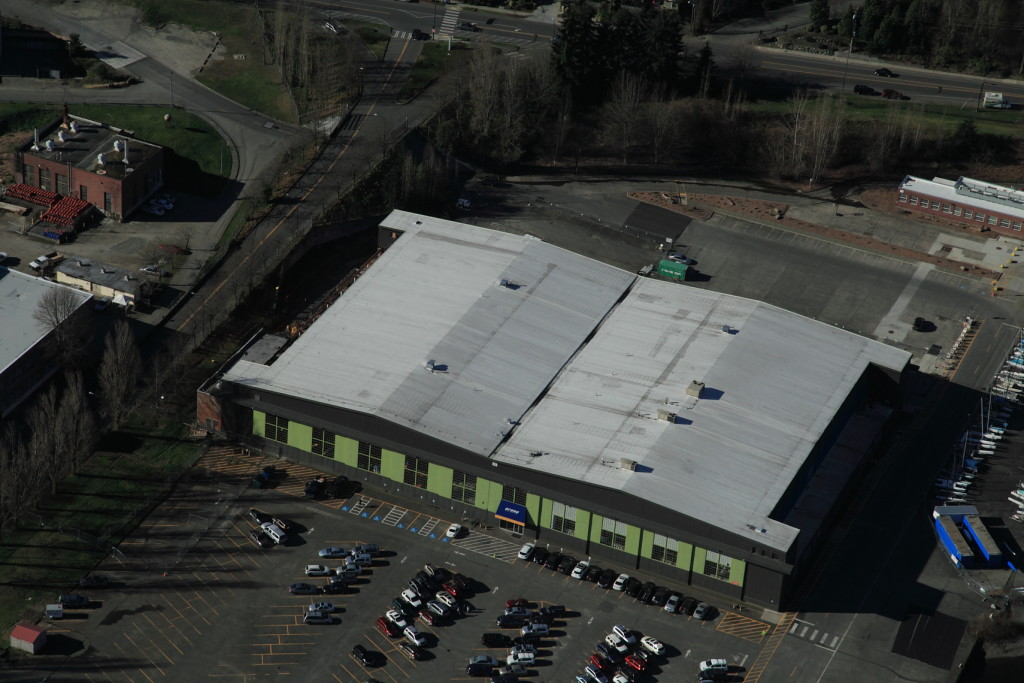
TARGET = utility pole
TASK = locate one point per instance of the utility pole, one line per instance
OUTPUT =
(853, 34)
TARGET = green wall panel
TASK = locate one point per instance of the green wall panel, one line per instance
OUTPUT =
(392, 465)
(439, 480)
(533, 508)
(300, 436)
(259, 422)
(738, 572)
(582, 523)
(633, 534)
(685, 556)
(488, 494)
(544, 519)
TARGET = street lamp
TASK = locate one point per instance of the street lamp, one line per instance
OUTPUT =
(853, 34)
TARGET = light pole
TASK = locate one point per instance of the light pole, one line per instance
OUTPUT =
(170, 86)
(853, 34)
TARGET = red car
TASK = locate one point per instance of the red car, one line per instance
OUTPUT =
(636, 662)
(429, 617)
(453, 590)
(600, 662)
(387, 628)
(517, 602)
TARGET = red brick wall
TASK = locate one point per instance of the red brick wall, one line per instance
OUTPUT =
(952, 212)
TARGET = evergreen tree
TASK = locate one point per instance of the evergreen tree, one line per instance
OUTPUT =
(820, 14)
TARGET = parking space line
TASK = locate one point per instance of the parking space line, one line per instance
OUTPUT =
(746, 628)
(144, 654)
(426, 528)
(160, 630)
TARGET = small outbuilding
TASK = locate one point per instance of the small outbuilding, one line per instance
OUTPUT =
(29, 638)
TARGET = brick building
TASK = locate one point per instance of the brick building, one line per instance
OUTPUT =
(972, 203)
(92, 161)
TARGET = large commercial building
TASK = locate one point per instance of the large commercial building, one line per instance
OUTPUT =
(702, 437)
(972, 203)
(93, 162)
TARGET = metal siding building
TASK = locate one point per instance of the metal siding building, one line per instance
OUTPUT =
(468, 369)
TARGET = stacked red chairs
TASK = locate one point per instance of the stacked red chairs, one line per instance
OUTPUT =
(65, 212)
(33, 195)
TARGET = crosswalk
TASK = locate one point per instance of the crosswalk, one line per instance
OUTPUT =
(497, 548)
(807, 631)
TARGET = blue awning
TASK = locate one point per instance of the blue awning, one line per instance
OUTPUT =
(511, 512)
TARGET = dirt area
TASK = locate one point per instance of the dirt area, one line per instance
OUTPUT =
(775, 212)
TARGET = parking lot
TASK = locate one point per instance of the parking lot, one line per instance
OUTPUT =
(192, 597)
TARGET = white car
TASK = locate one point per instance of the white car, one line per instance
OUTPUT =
(620, 678)
(680, 258)
(412, 598)
(616, 642)
(437, 608)
(396, 618)
(318, 570)
(624, 633)
(620, 582)
(526, 552)
(445, 598)
(453, 531)
(321, 607)
(521, 658)
(652, 645)
(581, 569)
(414, 636)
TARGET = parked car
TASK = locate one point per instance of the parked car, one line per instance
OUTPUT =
(890, 94)
(886, 73)
(429, 618)
(483, 659)
(336, 586)
(660, 596)
(566, 565)
(154, 270)
(526, 551)
(396, 618)
(314, 488)
(553, 560)
(454, 531)
(632, 587)
(318, 570)
(516, 602)
(285, 525)
(518, 611)
(411, 651)
(652, 645)
(387, 628)
(260, 539)
(607, 578)
(864, 90)
(411, 598)
(495, 640)
(680, 258)
(637, 663)
(259, 517)
(688, 605)
(509, 672)
(523, 647)
(647, 592)
(509, 621)
(336, 487)
(437, 608)
(332, 553)
(620, 582)
(445, 599)
(673, 602)
(580, 570)
(593, 572)
(414, 636)
(365, 657)
(479, 669)
(317, 617)
(555, 611)
(303, 589)
(616, 642)
(321, 607)
(540, 555)
(452, 589)
(521, 658)
(608, 652)
(534, 629)
(101, 303)
(73, 601)
(702, 612)
(595, 675)
(624, 633)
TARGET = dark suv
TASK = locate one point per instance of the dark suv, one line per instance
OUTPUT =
(553, 560)
(540, 555)
(864, 90)
(566, 565)
(607, 578)
(647, 592)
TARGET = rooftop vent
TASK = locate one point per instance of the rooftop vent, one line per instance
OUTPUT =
(73, 127)
(118, 146)
(62, 136)
(666, 415)
(627, 464)
(49, 145)
(430, 366)
(100, 159)
(695, 388)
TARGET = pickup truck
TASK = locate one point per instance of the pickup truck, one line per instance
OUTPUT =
(45, 261)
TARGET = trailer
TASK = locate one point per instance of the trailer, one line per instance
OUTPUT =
(996, 100)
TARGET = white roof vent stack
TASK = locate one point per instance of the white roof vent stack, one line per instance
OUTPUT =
(666, 415)
(118, 146)
(430, 366)
(100, 159)
(695, 388)
(627, 464)
(49, 145)
(62, 136)
(73, 127)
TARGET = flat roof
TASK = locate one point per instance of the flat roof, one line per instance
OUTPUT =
(118, 279)
(83, 147)
(566, 373)
(437, 295)
(773, 383)
(969, 192)
(20, 295)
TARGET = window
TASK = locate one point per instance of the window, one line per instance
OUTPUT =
(665, 549)
(613, 534)
(62, 184)
(980, 217)
(935, 206)
(30, 174)
(108, 202)
(992, 220)
(968, 214)
(323, 442)
(903, 198)
(44, 179)
(463, 487)
(276, 428)
(513, 495)
(83, 193)
(913, 200)
(1004, 223)
(369, 457)
(946, 208)
(563, 518)
(957, 211)
(415, 472)
(1016, 225)
(717, 566)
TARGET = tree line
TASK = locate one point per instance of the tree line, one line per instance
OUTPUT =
(53, 433)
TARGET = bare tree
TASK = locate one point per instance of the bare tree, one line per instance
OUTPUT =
(68, 337)
(119, 375)
(185, 232)
(823, 133)
(43, 437)
(76, 430)
(17, 486)
(620, 111)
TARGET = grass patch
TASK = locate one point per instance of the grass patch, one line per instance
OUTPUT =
(435, 61)
(375, 36)
(92, 511)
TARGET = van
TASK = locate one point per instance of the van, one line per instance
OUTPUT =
(275, 532)
(371, 549)
(714, 667)
(361, 559)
